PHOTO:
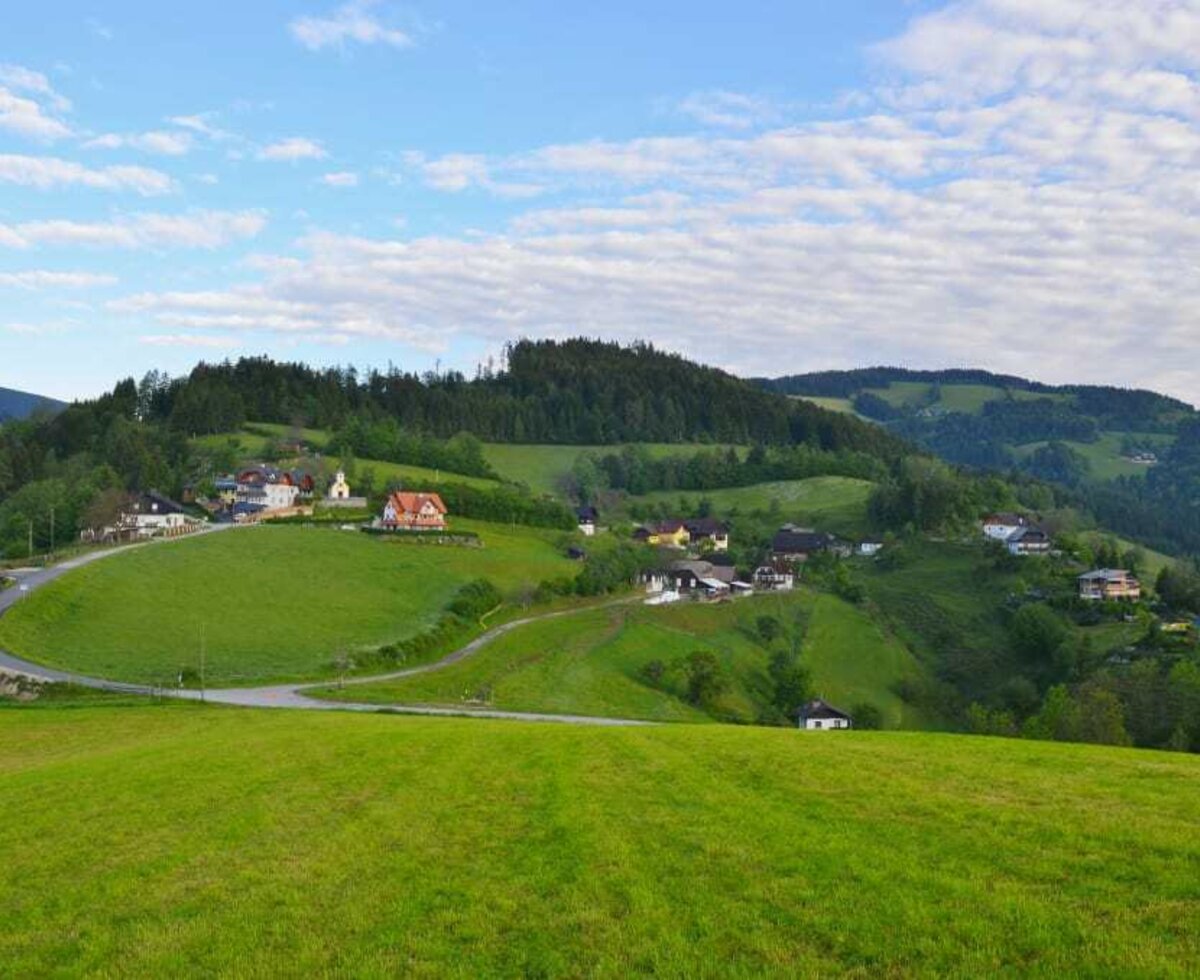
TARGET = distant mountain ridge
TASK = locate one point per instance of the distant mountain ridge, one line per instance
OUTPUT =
(845, 384)
(1133, 455)
(20, 404)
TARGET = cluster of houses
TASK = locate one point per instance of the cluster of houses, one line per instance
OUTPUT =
(264, 491)
(1023, 536)
(704, 533)
(1018, 533)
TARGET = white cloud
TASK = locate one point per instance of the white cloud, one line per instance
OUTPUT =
(293, 148)
(21, 79)
(48, 279)
(163, 142)
(340, 179)
(1019, 191)
(26, 117)
(350, 22)
(728, 110)
(47, 172)
(192, 229)
(190, 340)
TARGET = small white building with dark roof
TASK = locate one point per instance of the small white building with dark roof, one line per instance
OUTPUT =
(818, 715)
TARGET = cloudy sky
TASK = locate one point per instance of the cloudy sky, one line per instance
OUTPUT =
(773, 188)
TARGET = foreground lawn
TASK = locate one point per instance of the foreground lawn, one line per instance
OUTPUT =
(273, 602)
(192, 841)
(592, 662)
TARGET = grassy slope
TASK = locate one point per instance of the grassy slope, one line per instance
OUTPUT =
(591, 663)
(835, 503)
(259, 843)
(542, 467)
(1104, 455)
(274, 601)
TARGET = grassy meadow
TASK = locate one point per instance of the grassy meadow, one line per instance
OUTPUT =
(834, 503)
(592, 662)
(1104, 455)
(542, 468)
(273, 602)
(198, 841)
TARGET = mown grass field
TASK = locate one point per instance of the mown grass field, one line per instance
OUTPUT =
(193, 841)
(272, 602)
(542, 468)
(592, 662)
(834, 503)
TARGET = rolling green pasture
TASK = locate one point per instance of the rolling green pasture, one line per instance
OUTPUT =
(967, 398)
(835, 503)
(194, 841)
(845, 405)
(1104, 455)
(542, 467)
(413, 477)
(254, 443)
(273, 602)
(591, 662)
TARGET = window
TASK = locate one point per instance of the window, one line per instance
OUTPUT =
(816, 724)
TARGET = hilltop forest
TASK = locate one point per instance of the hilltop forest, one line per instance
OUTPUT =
(1131, 457)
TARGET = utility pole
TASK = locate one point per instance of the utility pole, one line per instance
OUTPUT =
(201, 661)
(31, 540)
(52, 529)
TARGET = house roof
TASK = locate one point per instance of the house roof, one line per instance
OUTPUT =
(1032, 532)
(1106, 575)
(706, 526)
(801, 541)
(410, 503)
(714, 583)
(657, 527)
(587, 513)
(818, 708)
(1006, 519)
(153, 502)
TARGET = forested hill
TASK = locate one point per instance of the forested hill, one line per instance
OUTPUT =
(1132, 456)
(19, 404)
(573, 391)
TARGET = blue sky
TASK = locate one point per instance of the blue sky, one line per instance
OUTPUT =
(768, 187)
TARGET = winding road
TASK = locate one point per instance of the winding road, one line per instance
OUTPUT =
(278, 695)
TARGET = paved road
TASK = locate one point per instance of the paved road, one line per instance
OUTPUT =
(281, 695)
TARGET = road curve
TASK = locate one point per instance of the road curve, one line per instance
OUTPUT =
(283, 695)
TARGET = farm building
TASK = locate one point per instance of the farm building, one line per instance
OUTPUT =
(818, 715)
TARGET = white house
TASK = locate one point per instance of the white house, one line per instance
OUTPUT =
(869, 549)
(587, 517)
(152, 515)
(280, 496)
(1001, 527)
(771, 579)
(1028, 540)
(818, 715)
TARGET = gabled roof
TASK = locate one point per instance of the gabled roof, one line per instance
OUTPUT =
(1106, 575)
(817, 708)
(1006, 519)
(153, 502)
(411, 503)
(707, 526)
(1029, 531)
(587, 513)
(788, 542)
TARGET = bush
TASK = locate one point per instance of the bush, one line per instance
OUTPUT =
(866, 716)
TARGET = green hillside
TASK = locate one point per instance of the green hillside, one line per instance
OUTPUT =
(272, 602)
(542, 468)
(834, 503)
(595, 662)
(191, 841)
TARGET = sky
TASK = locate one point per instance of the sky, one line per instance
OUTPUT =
(770, 188)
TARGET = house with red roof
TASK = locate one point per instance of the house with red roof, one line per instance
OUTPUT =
(412, 511)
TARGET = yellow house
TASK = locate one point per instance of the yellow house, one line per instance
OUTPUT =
(669, 534)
